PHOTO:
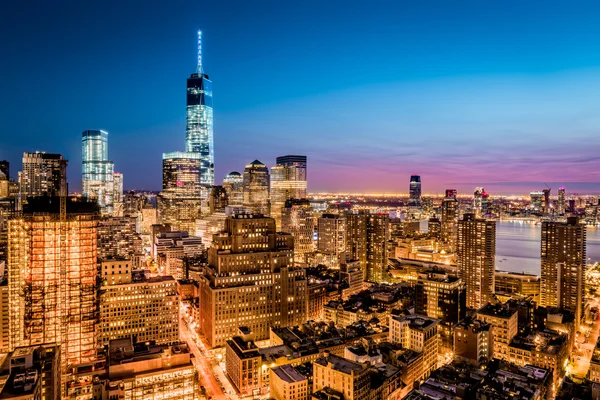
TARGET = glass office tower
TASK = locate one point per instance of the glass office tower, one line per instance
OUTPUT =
(199, 120)
(97, 171)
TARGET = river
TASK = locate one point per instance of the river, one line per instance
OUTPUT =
(518, 246)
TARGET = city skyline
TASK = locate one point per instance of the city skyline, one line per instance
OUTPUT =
(491, 106)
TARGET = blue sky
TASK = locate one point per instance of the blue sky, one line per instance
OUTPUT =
(464, 93)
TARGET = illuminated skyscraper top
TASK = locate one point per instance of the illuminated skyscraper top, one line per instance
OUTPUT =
(415, 190)
(97, 170)
(199, 119)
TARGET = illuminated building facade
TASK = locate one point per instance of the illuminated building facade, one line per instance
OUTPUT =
(563, 260)
(442, 296)
(288, 181)
(505, 326)
(199, 120)
(417, 333)
(476, 254)
(41, 175)
(5, 168)
(473, 342)
(560, 202)
(250, 281)
(234, 186)
(366, 239)
(449, 220)
(140, 371)
(97, 172)
(243, 363)
(349, 378)
(297, 219)
(146, 308)
(256, 188)
(217, 199)
(537, 202)
(118, 194)
(331, 232)
(415, 191)
(117, 237)
(180, 201)
(52, 275)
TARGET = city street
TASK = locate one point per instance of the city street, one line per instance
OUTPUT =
(202, 363)
(584, 347)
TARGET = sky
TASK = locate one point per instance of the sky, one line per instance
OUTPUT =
(502, 94)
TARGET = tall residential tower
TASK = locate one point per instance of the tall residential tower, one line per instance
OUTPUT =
(415, 190)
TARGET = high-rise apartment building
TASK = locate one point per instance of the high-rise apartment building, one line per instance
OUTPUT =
(52, 274)
(297, 219)
(331, 234)
(42, 175)
(563, 260)
(146, 308)
(250, 281)
(256, 188)
(415, 190)
(288, 181)
(560, 201)
(199, 120)
(449, 220)
(97, 172)
(366, 239)
(476, 253)
(234, 186)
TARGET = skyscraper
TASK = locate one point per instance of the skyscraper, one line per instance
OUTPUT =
(331, 230)
(366, 240)
(449, 220)
(52, 274)
(563, 259)
(537, 202)
(256, 188)
(477, 201)
(297, 219)
(97, 172)
(42, 175)
(415, 190)
(476, 253)
(234, 186)
(180, 201)
(199, 120)
(288, 181)
(560, 202)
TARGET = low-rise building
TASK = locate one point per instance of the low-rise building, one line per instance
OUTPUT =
(505, 327)
(473, 342)
(243, 363)
(418, 333)
(137, 371)
(287, 383)
(31, 373)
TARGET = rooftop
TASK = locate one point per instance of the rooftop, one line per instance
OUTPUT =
(340, 364)
(288, 373)
(496, 311)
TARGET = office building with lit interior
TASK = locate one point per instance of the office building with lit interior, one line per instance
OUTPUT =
(288, 181)
(97, 171)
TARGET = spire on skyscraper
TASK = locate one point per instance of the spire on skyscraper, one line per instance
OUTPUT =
(200, 72)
